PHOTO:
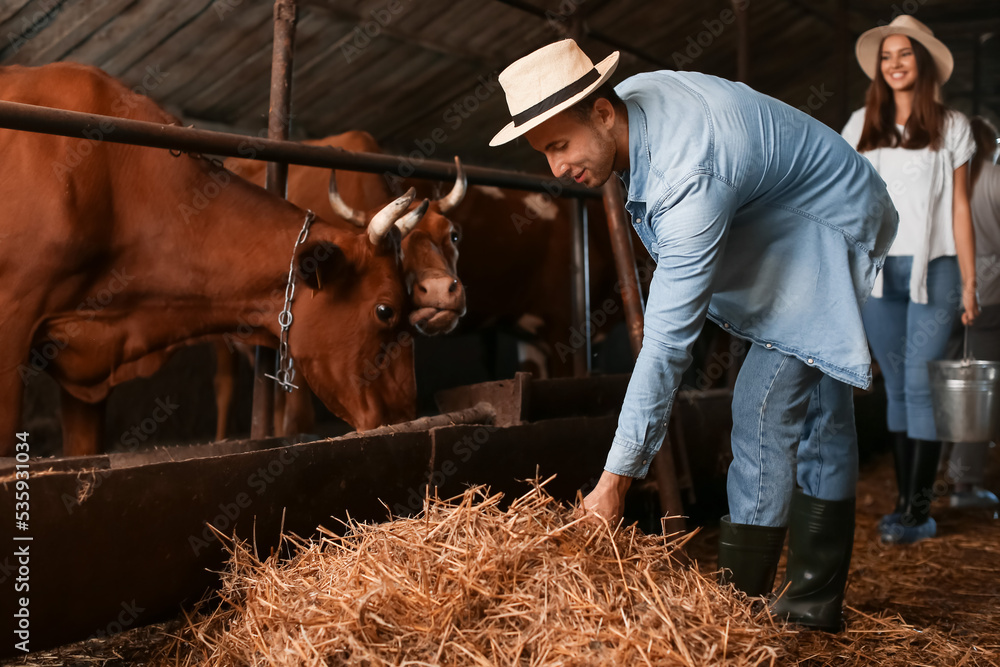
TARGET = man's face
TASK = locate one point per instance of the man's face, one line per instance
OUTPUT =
(580, 150)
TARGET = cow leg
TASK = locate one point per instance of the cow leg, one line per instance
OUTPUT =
(82, 425)
(225, 382)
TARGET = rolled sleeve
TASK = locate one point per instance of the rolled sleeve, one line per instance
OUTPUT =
(690, 229)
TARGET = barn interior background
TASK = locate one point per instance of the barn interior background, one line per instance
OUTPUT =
(421, 77)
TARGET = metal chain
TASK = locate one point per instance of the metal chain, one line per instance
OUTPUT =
(285, 372)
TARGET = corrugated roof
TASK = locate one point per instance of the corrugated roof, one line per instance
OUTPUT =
(420, 74)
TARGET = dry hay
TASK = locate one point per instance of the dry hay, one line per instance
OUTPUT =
(933, 603)
(469, 583)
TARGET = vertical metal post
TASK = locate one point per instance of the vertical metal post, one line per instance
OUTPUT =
(262, 420)
(742, 41)
(621, 245)
(628, 277)
(845, 51)
(977, 73)
(580, 265)
(581, 287)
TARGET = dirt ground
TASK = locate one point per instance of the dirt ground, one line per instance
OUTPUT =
(933, 603)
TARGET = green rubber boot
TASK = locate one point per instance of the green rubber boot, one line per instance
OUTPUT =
(820, 540)
(748, 556)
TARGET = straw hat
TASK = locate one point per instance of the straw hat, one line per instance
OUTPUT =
(867, 47)
(550, 80)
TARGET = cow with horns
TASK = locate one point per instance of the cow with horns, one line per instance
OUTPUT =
(430, 245)
(430, 256)
(116, 219)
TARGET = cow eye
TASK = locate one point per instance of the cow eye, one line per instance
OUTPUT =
(384, 312)
(455, 236)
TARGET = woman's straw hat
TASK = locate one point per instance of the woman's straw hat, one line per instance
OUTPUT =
(550, 80)
(868, 45)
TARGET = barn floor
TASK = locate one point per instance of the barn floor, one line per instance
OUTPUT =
(934, 603)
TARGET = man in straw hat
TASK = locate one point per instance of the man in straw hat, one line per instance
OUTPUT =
(770, 224)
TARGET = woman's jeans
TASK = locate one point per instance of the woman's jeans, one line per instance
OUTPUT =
(778, 401)
(904, 336)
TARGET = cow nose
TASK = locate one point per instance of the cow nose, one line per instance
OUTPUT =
(439, 292)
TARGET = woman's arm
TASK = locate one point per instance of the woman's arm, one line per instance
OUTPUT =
(965, 243)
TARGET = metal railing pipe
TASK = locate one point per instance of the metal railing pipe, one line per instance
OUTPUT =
(32, 118)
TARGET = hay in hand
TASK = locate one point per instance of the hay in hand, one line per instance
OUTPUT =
(468, 583)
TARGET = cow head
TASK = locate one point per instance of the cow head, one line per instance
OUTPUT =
(348, 335)
(430, 257)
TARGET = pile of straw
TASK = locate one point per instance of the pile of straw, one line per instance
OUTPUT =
(469, 583)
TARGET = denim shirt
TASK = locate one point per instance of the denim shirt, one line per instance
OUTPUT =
(760, 218)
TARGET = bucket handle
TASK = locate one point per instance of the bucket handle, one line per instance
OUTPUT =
(967, 357)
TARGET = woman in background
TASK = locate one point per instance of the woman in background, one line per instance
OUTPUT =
(967, 464)
(921, 150)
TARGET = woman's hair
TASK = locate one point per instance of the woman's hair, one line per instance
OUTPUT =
(925, 125)
(985, 136)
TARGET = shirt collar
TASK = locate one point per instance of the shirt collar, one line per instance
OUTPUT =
(637, 174)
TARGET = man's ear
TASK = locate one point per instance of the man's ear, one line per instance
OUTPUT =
(604, 112)
(320, 263)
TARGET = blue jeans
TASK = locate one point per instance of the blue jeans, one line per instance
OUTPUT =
(904, 336)
(790, 423)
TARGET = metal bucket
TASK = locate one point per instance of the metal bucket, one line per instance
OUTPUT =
(966, 397)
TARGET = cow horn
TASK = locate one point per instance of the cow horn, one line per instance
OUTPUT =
(457, 194)
(410, 220)
(387, 217)
(340, 207)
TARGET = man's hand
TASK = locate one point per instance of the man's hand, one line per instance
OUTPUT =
(607, 500)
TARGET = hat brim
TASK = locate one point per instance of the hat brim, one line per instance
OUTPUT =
(605, 68)
(867, 48)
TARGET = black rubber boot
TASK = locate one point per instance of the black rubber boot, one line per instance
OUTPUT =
(748, 556)
(915, 522)
(923, 472)
(902, 455)
(820, 540)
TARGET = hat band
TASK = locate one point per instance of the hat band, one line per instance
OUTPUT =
(557, 98)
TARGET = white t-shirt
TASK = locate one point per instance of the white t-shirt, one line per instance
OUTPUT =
(985, 205)
(921, 184)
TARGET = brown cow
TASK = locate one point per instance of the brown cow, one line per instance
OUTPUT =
(112, 255)
(430, 250)
(430, 254)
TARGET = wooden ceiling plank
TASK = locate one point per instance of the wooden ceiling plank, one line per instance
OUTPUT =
(145, 49)
(213, 64)
(172, 52)
(11, 16)
(130, 26)
(71, 25)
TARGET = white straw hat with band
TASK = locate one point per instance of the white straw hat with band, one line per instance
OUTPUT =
(870, 42)
(547, 81)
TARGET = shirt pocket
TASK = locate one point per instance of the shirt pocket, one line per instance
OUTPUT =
(640, 223)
